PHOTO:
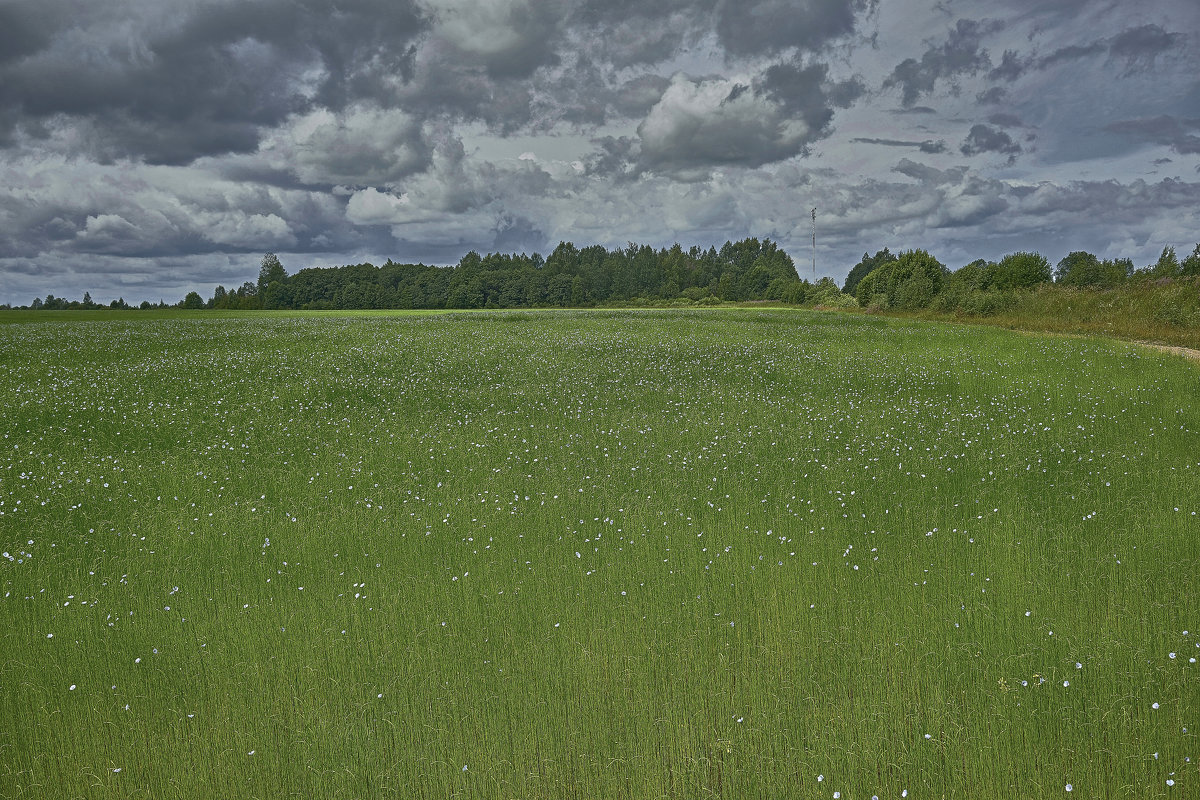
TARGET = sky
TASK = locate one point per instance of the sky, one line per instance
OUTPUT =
(153, 147)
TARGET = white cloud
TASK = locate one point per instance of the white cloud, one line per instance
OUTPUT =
(372, 207)
(360, 146)
(699, 124)
(507, 36)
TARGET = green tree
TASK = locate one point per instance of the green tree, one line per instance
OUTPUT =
(863, 268)
(1019, 271)
(276, 295)
(192, 301)
(1086, 271)
(1077, 268)
(564, 260)
(909, 282)
(270, 271)
(1168, 264)
(1191, 264)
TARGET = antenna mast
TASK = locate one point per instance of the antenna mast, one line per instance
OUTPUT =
(814, 250)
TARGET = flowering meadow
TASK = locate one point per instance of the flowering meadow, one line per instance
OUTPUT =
(610, 554)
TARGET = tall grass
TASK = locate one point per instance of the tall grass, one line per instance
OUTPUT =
(1164, 311)
(594, 554)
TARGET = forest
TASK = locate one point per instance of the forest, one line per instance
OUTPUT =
(747, 270)
(638, 275)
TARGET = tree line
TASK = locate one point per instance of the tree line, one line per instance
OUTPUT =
(748, 270)
(915, 280)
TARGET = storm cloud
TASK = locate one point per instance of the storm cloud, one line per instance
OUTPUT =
(151, 147)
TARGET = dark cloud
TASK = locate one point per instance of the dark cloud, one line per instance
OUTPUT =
(604, 13)
(636, 33)
(24, 29)
(959, 55)
(843, 94)
(700, 124)
(983, 139)
(915, 110)
(516, 234)
(927, 174)
(1006, 120)
(1011, 67)
(638, 95)
(803, 91)
(444, 86)
(927, 146)
(1140, 46)
(1164, 130)
(590, 98)
(1069, 53)
(1137, 47)
(177, 83)
(993, 96)
(508, 38)
(145, 144)
(615, 157)
(751, 27)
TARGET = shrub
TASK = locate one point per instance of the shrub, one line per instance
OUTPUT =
(910, 282)
(1018, 271)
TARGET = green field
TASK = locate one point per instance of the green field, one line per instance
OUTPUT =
(727, 553)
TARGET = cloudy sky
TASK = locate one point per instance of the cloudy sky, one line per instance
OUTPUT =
(150, 147)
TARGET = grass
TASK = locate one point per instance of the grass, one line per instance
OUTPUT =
(753, 553)
(1166, 312)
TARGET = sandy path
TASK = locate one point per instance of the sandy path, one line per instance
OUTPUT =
(1186, 352)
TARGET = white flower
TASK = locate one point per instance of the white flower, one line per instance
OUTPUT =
(464, 767)
(1154, 706)
(1070, 787)
(72, 688)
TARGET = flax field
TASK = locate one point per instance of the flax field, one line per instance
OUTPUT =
(735, 553)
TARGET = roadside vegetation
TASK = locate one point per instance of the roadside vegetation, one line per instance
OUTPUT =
(1082, 294)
